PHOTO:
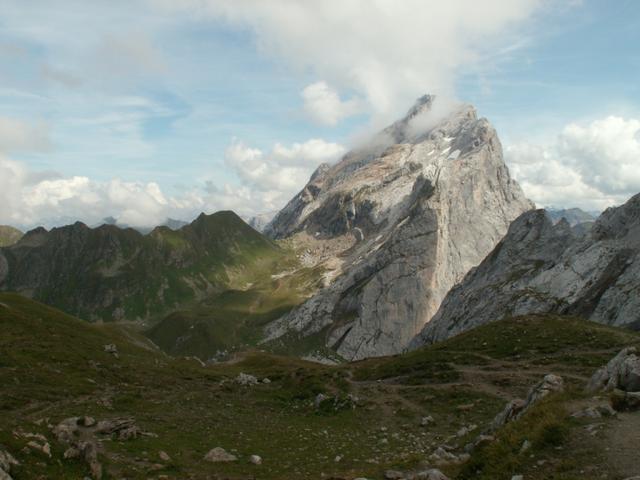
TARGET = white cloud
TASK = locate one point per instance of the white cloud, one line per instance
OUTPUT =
(386, 51)
(52, 201)
(18, 136)
(268, 180)
(276, 176)
(324, 106)
(591, 166)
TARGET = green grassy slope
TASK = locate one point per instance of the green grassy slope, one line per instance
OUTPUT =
(53, 366)
(9, 235)
(233, 319)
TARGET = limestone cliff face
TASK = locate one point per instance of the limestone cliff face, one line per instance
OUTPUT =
(407, 217)
(540, 267)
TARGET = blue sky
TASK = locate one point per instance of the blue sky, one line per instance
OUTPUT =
(148, 109)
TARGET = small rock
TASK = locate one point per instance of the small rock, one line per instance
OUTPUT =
(71, 452)
(219, 454)
(606, 410)
(590, 412)
(112, 349)
(526, 445)
(246, 379)
(425, 421)
(625, 401)
(164, 456)
(321, 397)
(431, 474)
(393, 475)
(266, 381)
(46, 449)
(87, 421)
(442, 456)
(255, 459)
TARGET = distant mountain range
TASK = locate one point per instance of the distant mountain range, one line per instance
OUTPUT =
(171, 223)
(574, 216)
(109, 273)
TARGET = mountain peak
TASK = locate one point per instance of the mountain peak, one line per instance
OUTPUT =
(422, 104)
(407, 218)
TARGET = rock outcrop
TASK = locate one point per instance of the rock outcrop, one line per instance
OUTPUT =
(540, 267)
(7, 462)
(516, 408)
(622, 372)
(395, 225)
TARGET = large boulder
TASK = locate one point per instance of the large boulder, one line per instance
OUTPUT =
(622, 372)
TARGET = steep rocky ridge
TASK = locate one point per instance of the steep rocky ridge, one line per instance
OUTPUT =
(541, 267)
(108, 273)
(396, 224)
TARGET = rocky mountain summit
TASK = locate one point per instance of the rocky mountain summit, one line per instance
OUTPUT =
(109, 273)
(541, 267)
(395, 224)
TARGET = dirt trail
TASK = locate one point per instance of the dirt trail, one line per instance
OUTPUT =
(622, 438)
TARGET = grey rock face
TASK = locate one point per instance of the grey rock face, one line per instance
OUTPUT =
(407, 216)
(540, 267)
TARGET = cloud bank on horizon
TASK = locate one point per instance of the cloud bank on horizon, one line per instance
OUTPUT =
(165, 108)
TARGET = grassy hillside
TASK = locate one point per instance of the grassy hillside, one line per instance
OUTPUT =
(53, 366)
(110, 273)
(9, 235)
(233, 319)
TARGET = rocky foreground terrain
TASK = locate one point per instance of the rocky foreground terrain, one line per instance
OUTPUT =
(537, 396)
(396, 224)
(540, 267)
